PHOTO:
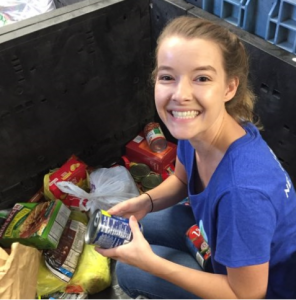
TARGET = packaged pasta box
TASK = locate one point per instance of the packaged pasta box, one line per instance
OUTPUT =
(35, 224)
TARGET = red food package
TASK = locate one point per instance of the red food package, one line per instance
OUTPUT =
(75, 171)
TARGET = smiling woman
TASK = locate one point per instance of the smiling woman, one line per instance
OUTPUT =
(192, 79)
(244, 218)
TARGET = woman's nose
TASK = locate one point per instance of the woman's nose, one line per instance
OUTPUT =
(183, 90)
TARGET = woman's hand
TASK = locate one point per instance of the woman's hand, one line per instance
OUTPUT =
(138, 206)
(137, 253)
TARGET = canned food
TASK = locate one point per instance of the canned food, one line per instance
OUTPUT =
(155, 137)
(139, 171)
(108, 231)
(199, 247)
(151, 181)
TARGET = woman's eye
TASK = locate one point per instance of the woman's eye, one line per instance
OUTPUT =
(164, 77)
(202, 79)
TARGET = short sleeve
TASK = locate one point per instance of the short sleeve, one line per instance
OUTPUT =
(245, 228)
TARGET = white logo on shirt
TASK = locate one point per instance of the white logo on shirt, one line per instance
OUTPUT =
(288, 186)
(288, 181)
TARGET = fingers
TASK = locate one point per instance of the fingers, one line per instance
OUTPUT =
(100, 250)
(134, 225)
(116, 210)
(105, 252)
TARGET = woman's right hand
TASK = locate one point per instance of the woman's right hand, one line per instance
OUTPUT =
(137, 206)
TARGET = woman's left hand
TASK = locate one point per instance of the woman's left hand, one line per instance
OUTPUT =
(137, 253)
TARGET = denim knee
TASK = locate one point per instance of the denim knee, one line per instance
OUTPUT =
(125, 282)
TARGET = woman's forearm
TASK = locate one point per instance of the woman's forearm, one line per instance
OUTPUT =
(168, 193)
(210, 285)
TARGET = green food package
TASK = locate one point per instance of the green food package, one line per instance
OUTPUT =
(35, 224)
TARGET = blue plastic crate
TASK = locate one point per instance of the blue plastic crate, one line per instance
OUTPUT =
(240, 13)
(281, 27)
(237, 12)
(207, 5)
(272, 20)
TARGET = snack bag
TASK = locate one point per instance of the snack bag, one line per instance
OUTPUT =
(74, 171)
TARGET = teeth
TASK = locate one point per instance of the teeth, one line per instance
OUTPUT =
(185, 114)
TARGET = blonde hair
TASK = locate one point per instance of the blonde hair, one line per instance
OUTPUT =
(235, 59)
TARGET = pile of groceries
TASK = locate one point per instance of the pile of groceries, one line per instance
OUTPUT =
(47, 243)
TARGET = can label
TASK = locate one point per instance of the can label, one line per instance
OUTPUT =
(155, 137)
(108, 231)
(199, 247)
(154, 134)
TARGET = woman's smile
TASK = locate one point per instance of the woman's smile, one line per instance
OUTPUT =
(191, 114)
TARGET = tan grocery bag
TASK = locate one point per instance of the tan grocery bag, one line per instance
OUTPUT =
(18, 272)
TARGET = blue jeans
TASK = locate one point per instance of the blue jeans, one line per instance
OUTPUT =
(165, 231)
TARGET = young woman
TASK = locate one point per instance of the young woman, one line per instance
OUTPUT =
(240, 196)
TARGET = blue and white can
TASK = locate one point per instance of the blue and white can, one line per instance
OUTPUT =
(108, 231)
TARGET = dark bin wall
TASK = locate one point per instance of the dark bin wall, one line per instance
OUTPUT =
(73, 81)
(272, 75)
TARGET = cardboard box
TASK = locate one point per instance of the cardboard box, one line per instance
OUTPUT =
(138, 151)
(35, 224)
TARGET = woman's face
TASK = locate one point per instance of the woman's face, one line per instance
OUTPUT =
(191, 87)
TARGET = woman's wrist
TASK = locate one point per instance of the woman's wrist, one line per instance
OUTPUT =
(151, 201)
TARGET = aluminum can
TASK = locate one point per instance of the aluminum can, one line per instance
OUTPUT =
(108, 231)
(155, 137)
(198, 247)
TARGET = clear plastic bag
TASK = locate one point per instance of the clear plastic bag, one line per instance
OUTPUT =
(17, 10)
(109, 186)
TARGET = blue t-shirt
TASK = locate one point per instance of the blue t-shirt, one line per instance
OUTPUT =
(247, 213)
